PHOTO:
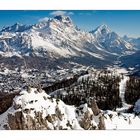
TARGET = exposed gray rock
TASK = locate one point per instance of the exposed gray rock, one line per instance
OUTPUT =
(97, 112)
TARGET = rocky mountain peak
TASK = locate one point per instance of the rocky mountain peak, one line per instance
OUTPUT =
(64, 19)
(57, 21)
(102, 29)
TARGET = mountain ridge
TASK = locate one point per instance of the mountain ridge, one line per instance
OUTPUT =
(59, 38)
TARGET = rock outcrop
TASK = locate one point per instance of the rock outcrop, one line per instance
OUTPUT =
(97, 112)
(38, 111)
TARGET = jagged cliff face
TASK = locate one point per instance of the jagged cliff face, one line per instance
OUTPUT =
(35, 110)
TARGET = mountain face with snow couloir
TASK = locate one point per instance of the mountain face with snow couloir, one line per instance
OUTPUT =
(111, 41)
(58, 42)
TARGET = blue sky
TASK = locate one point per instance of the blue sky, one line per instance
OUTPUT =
(122, 22)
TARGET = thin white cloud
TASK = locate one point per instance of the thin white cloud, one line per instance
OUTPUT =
(43, 19)
(70, 13)
(88, 13)
(57, 13)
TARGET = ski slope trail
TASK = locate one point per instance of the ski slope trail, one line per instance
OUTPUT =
(122, 88)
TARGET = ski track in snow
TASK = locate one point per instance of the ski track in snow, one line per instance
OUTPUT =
(122, 87)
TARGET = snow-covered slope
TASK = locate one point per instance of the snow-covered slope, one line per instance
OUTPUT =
(121, 121)
(122, 87)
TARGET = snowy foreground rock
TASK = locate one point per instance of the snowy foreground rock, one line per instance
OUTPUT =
(35, 110)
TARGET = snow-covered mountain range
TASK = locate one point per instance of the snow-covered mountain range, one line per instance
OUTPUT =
(59, 40)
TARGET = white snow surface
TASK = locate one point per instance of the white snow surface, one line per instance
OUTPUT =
(124, 121)
(122, 87)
